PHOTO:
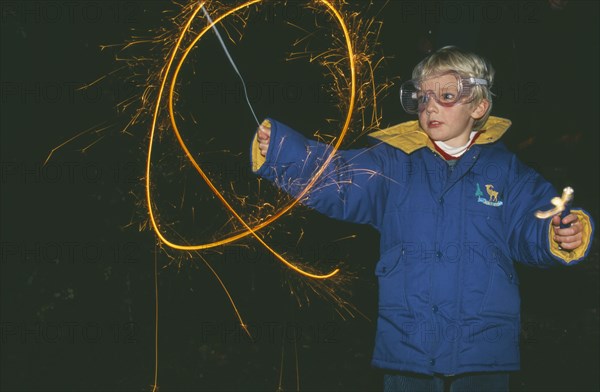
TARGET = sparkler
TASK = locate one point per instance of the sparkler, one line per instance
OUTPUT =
(161, 88)
(235, 68)
(561, 205)
(170, 77)
(350, 65)
(349, 62)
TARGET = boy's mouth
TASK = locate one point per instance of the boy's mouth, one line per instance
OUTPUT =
(434, 124)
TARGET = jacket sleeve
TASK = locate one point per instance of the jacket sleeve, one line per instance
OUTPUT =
(531, 239)
(351, 188)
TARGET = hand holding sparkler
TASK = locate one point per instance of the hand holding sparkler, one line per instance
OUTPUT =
(566, 226)
(264, 137)
(570, 237)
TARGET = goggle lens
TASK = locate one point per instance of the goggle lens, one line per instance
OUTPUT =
(446, 90)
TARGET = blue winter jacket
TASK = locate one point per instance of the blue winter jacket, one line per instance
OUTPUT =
(448, 291)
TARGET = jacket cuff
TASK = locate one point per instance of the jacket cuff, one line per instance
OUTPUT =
(257, 158)
(578, 254)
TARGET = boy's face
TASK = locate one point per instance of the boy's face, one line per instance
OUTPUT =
(451, 125)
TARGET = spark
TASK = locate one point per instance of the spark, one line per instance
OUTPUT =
(84, 149)
(89, 130)
(101, 78)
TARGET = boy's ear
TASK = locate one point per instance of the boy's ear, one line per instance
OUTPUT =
(481, 109)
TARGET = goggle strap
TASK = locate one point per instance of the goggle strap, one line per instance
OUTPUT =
(477, 81)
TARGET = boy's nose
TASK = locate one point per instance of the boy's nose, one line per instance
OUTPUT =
(431, 104)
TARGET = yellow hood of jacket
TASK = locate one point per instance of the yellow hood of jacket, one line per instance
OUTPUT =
(409, 136)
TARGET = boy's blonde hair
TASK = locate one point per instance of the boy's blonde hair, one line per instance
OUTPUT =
(468, 65)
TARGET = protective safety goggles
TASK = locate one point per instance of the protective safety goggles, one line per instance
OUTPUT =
(446, 89)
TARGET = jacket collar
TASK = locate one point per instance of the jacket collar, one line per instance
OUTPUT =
(409, 136)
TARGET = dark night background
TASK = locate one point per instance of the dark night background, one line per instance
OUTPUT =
(77, 302)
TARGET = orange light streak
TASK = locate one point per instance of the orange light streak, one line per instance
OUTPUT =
(248, 230)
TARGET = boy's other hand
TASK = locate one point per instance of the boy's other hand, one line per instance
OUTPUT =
(568, 238)
(264, 137)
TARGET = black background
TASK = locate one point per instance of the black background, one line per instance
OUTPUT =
(78, 273)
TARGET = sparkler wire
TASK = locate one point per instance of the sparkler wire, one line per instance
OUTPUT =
(235, 68)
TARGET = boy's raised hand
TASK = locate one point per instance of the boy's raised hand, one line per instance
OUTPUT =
(264, 137)
(568, 238)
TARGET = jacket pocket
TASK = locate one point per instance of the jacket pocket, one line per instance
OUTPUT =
(502, 296)
(392, 279)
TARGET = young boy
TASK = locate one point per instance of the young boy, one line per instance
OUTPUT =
(454, 208)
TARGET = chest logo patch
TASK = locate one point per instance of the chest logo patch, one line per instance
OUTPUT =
(492, 196)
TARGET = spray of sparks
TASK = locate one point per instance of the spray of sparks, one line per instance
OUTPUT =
(347, 63)
(350, 66)
(170, 77)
